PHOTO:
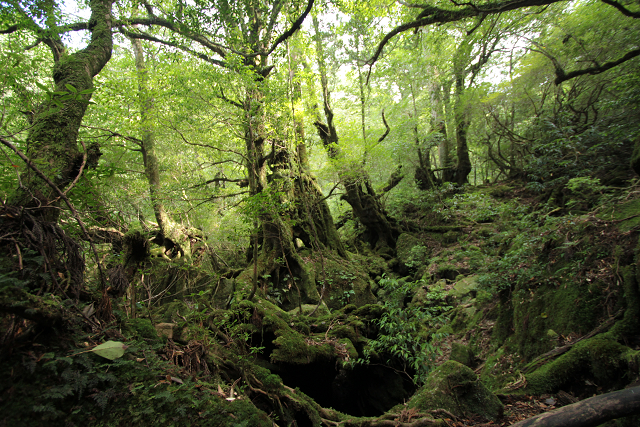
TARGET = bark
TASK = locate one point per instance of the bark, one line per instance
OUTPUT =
(287, 201)
(463, 167)
(424, 176)
(590, 412)
(381, 233)
(53, 139)
(444, 149)
(316, 227)
(176, 238)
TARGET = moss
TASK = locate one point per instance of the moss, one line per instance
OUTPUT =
(465, 287)
(351, 350)
(571, 307)
(369, 311)
(141, 328)
(622, 212)
(597, 359)
(84, 389)
(455, 387)
(345, 331)
(293, 347)
(462, 354)
(410, 250)
(308, 309)
(628, 326)
(171, 312)
(270, 382)
(498, 370)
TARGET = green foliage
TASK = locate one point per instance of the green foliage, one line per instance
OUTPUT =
(405, 332)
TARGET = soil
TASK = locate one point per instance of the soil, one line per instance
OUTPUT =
(516, 408)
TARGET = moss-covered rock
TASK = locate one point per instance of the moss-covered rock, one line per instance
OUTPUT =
(598, 360)
(309, 309)
(462, 353)
(410, 250)
(455, 387)
(466, 286)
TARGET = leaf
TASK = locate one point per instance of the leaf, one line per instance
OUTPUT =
(70, 88)
(43, 87)
(110, 350)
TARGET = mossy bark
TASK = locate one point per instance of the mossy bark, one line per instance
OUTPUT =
(53, 139)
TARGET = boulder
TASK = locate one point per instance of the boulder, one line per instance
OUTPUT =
(456, 388)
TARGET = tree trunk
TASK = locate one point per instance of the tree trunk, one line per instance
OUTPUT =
(53, 139)
(381, 233)
(463, 166)
(424, 176)
(175, 237)
(444, 149)
(590, 412)
(288, 205)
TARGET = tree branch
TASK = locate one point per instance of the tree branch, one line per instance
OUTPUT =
(622, 9)
(296, 25)
(561, 76)
(148, 37)
(432, 15)
(11, 29)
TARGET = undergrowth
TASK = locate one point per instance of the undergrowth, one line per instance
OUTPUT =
(407, 332)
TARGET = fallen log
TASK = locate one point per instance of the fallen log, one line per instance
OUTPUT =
(590, 412)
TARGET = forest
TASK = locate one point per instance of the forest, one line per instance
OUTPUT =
(320, 213)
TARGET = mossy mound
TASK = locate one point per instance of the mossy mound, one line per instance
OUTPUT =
(411, 251)
(455, 387)
(626, 213)
(599, 362)
(462, 354)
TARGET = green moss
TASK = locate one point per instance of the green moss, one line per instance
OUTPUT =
(411, 251)
(141, 328)
(293, 347)
(455, 387)
(462, 354)
(85, 389)
(600, 360)
(622, 212)
(498, 370)
(571, 307)
(369, 311)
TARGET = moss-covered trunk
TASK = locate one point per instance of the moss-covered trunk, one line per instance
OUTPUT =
(289, 208)
(463, 166)
(52, 142)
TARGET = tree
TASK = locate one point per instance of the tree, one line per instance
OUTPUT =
(359, 193)
(241, 38)
(52, 140)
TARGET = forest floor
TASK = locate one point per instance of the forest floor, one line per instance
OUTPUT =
(486, 281)
(516, 408)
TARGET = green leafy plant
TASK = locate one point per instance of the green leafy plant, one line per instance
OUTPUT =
(405, 332)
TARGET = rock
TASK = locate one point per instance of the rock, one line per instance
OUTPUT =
(467, 286)
(456, 388)
(165, 329)
(307, 309)
(462, 353)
